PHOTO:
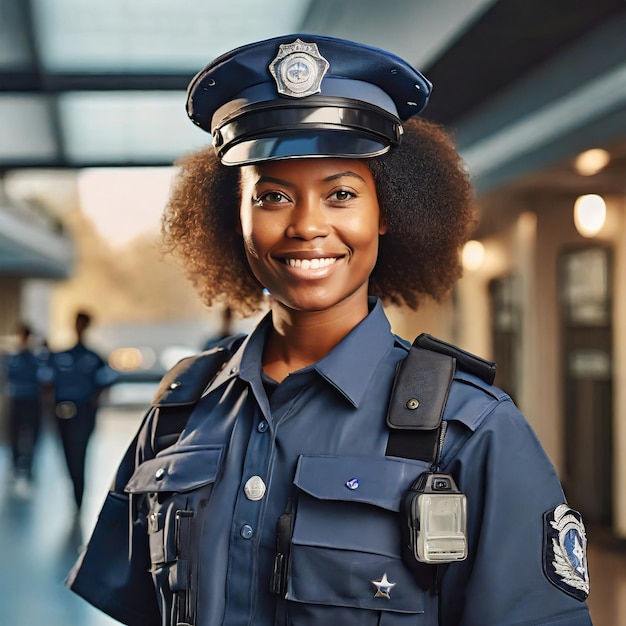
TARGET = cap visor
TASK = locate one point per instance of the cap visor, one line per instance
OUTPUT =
(302, 144)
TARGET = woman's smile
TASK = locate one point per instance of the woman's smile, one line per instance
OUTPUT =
(307, 266)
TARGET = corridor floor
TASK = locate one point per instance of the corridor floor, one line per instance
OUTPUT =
(40, 537)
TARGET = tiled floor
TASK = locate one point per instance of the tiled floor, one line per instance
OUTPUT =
(39, 538)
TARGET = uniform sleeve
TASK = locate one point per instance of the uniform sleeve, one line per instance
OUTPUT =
(517, 571)
(113, 573)
(105, 376)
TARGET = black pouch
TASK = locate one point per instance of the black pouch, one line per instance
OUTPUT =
(284, 528)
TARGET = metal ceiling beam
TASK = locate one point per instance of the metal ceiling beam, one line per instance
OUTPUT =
(58, 83)
(542, 117)
(417, 30)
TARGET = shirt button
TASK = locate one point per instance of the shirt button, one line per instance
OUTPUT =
(263, 426)
(160, 473)
(233, 370)
(254, 488)
(246, 531)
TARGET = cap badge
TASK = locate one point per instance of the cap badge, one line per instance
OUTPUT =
(298, 69)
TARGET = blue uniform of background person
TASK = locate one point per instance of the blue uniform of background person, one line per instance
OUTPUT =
(79, 376)
(23, 371)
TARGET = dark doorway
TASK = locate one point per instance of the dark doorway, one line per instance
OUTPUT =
(505, 298)
(585, 290)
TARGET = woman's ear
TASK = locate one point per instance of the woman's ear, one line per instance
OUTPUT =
(382, 224)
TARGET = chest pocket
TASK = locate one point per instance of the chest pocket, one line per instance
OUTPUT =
(171, 490)
(345, 551)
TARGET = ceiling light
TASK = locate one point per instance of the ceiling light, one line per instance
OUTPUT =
(473, 255)
(589, 214)
(591, 161)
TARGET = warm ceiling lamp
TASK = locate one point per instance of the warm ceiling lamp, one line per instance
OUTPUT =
(589, 214)
(473, 255)
(591, 161)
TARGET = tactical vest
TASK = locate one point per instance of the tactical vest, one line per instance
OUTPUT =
(416, 431)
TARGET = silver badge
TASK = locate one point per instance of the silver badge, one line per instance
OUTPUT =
(254, 488)
(383, 587)
(565, 560)
(298, 69)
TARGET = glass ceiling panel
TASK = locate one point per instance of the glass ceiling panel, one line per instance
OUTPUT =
(25, 129)
(127, 127)
(155, 36)
(14, 48)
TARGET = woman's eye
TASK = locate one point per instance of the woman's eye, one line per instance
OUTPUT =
(272, 197)
(342, 195)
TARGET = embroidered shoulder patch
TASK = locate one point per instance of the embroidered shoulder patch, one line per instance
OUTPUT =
(565, 551)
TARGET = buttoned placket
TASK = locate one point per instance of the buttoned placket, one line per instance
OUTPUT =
(252, 530)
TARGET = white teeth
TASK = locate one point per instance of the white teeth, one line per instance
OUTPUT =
(312, 264)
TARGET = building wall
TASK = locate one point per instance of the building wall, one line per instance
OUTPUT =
(617, 224)
(9, 306)
(9, 315)
(530, 249)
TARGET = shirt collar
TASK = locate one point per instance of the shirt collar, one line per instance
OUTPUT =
(348, 367)
(351, 364)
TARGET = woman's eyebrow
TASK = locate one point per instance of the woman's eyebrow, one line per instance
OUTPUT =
(276, 181)
(342, 175)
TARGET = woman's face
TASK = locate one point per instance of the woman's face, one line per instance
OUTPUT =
(310, 229)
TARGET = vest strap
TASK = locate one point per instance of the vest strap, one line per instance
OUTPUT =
(418, 400)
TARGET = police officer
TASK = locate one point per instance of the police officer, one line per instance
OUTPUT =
(79, 375)
(286, 496)
(23, 374)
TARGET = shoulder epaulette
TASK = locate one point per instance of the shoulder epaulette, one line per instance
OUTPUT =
(184, 383)
(485, 370)
(182, 387)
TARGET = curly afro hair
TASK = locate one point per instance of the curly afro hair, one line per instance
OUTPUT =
(423, 190)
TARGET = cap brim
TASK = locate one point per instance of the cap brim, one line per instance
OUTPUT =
(303, 144)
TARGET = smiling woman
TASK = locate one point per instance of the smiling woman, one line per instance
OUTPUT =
(322, 470)
(423, 193)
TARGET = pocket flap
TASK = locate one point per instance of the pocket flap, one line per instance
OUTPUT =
(377, 481)
(180, 471)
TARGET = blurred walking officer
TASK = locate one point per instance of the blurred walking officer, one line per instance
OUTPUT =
(23, 373)
(304, 475)
(79, 375)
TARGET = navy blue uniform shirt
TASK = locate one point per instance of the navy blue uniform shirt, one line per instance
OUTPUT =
(78, 374)
(208, 506)
(23, 372)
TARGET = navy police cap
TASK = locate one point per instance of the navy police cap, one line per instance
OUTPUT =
(305, 96)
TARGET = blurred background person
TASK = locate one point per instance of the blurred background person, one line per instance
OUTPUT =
(23, 371)
(79, 376)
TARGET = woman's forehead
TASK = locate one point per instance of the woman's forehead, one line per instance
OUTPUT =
(313, 169)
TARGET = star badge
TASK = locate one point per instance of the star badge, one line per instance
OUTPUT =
(383, 587)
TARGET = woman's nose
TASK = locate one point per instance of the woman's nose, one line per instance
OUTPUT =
(309, 219)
